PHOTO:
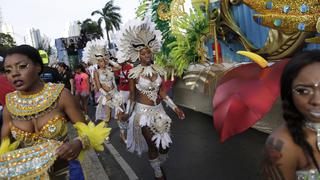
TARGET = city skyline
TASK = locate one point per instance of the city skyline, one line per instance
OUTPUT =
(55, 20)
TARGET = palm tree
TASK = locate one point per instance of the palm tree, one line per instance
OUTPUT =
(91, 27)
(110, 16)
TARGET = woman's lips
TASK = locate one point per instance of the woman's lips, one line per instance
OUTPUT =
(18, 83)
(315, 114)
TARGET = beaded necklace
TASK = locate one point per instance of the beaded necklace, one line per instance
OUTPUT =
(27, 107)
(316, 128)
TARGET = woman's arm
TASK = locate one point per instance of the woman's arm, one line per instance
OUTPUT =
(5, 130)
(280, 160)
(96, 79)
(131, 100)
(69, 105)
(170, 103)
(98, 84)
(72, 85)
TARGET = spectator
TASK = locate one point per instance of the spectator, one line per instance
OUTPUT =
(66, 76)
(82, 87)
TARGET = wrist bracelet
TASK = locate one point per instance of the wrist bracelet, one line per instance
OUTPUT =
(85, 141)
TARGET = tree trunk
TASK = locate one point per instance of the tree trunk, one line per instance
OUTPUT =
(108, 38)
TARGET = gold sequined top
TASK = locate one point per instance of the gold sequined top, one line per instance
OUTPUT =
(27, 107)
(55, 128)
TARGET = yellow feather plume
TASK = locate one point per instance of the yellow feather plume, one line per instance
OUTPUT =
(96, 134)
(6, 146)
(255, 58)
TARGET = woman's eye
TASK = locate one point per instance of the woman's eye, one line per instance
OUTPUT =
(303, 91)
(7, 71)
(23, 66)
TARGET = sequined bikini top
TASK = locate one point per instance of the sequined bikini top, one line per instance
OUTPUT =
(55, 128)
(27, 107)
(145, 85)
(149, 88)
(106, 77)
(311, 174)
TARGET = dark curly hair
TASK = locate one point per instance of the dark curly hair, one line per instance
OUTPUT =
(64, 66)
(294, 119)
(29, 51)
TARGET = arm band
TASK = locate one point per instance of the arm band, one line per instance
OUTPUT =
(114, 64)
(169, 102)
(85, 141)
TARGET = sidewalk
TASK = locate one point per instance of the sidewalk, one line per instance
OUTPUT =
(92, 167)
(91, 164)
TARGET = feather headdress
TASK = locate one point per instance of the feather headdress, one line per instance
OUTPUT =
(137, 35)
(94, 50)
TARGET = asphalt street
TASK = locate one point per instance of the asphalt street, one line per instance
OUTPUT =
(196, 153)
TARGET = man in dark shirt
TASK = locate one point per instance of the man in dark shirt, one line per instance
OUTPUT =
(66, 76)
(50, 74)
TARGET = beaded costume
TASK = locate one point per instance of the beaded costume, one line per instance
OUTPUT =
(112, 98)
(135, 37)
(33, 106)
(311, 174)
(93, 51)
(36, 155)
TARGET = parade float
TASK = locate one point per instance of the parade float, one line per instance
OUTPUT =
(200, 47)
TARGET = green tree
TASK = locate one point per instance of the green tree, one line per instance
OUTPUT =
(109, 14)
(6, 42)
(91, 27)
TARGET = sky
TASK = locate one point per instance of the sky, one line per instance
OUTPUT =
(52, 16)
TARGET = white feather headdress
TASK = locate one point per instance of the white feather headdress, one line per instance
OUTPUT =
(94, 50)
(137, 35)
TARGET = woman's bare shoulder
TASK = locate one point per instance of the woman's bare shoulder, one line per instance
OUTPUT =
(281, 155)
(65, 96)
(282, 140)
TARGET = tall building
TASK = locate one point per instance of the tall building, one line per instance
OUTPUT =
(4, 26)
(7, 29)
(1, 20)
(34, 38)
(73, 29)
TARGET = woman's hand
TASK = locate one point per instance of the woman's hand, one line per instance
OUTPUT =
(179, 113)
(69, 150)
(123, 116)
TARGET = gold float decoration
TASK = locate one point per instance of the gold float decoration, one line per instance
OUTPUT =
(163, 11)
(177, 10)
(286, 15)
(280, 44)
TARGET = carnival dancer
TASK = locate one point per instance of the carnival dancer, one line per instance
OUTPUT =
(149, 125)
(36, 116)
(108, 95)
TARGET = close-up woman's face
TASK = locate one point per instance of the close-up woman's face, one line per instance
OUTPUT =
(145, 56)
(306, 92)
(60, 69)
(102, 62)
(21, 71)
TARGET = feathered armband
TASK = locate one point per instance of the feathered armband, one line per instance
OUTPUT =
(91, 136)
